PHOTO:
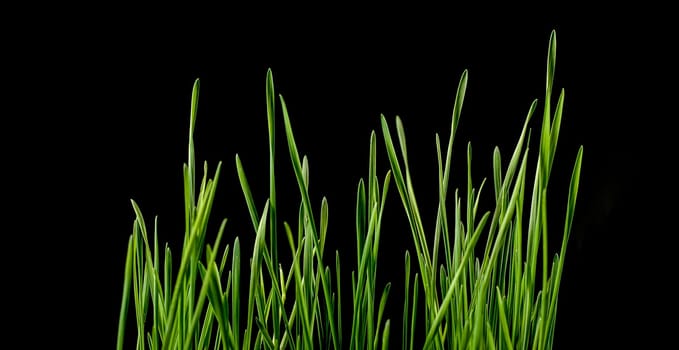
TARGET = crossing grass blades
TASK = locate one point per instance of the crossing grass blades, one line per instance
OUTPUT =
(506, 298)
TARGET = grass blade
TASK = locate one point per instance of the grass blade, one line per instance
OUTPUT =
(255, 267)
(385, 335)
(383, 303)
(126, 293)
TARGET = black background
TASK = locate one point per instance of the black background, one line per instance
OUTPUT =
(104, 101)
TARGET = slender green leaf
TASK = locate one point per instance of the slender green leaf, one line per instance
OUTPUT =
(126, 293)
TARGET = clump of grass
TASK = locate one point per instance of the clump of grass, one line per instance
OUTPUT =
(490, 301)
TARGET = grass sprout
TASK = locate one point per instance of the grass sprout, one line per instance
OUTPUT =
(504, 298)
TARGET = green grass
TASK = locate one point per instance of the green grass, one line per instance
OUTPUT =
(505, 298)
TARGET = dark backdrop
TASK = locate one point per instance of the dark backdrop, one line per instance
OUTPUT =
(111, 93)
